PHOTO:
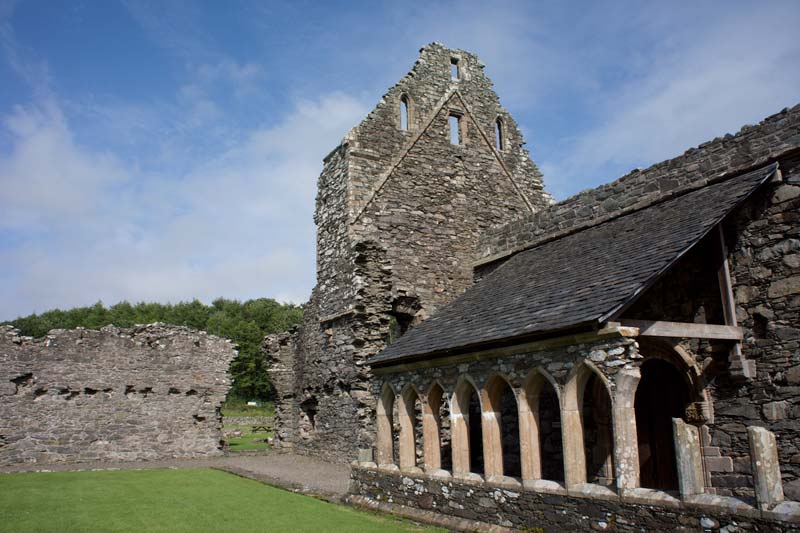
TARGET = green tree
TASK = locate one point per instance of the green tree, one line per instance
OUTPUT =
(245, 323)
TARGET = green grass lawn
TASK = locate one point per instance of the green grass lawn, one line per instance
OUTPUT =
(170, 500)
(248, 439)
(240, 408)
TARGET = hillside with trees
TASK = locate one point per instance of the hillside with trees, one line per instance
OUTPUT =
(245, 323)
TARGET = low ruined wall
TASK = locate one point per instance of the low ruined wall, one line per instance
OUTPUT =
(513, 506)
(143, 393)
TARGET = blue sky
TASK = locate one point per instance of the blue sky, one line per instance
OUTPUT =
(167, 150)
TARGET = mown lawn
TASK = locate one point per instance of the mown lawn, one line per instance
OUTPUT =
(248, 439)
(170, 500)
(240, 408)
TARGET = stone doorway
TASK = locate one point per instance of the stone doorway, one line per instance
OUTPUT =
(662, 395)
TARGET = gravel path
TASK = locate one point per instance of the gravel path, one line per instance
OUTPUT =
(295, 472)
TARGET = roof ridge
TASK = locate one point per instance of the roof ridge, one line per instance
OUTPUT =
(639, 206)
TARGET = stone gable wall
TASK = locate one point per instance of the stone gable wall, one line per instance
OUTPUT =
(752, 146)
(398, 216)
(143, 393)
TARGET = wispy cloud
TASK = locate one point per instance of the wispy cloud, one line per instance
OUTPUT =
(239, 224)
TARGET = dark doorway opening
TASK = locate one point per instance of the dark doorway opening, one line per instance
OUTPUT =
(662, 395)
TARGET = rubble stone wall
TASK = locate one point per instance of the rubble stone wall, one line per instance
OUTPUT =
(398, 215)
(528, 510)
(763, 240)
(752, 146)
(143, 393)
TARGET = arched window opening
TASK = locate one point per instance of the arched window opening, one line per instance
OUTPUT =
(662, 394)
(410, 422)
(455, 69)
(540, 422)
(475, 426)
(385, 421)
(550, 445)
(499, 139)
(509, 425)
(454, 122)
(396, 432)
(446, 436)
(502, 430)
(438, 449)
(467, 430)
(404, 113)
(597, 432)
(418, 434)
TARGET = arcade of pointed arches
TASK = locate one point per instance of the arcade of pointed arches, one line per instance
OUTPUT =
(587, 431)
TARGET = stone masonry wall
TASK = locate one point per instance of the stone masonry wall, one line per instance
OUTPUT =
(752, 146)
(526, 510)
(398, 215)
(763, 240)
(143, 393)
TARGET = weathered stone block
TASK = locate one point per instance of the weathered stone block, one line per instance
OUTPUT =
(766, 469)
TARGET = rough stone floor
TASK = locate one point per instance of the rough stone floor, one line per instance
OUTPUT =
(294, 472)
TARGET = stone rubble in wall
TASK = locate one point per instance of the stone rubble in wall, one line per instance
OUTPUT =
(147, 392)
(398, 214)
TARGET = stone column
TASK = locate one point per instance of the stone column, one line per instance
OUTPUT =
(383, 411)
(626, 447)
(492, 444)
(459, 444)
(574, 454)
(766, 470)
(691, 479)
(407, 442)
(430, 440)
(384, 444)
(529, 438)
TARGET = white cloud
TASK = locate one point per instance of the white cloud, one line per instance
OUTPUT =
(237, 225)
(727, 76)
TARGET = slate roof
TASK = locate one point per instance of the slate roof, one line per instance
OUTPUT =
(580, 279)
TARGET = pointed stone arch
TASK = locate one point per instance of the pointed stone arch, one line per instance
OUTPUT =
(587, 426)
(535, 438)
(385, 440)
(465, 444)
(671, 386)
(501, 444)
(437, 452)
(409, 398)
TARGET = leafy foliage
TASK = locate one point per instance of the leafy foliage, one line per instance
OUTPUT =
(245, 323)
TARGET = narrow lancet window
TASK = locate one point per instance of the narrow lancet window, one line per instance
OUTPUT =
(498, 134)
(455, 70)
(404, 113)
(455, 129)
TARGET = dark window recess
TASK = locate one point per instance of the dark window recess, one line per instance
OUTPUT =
(309, 407)
(455, 129)
(404, 113)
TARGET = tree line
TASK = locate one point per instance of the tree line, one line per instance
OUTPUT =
(244, 323)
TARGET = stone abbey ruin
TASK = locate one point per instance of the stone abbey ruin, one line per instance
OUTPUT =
(627, 359)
